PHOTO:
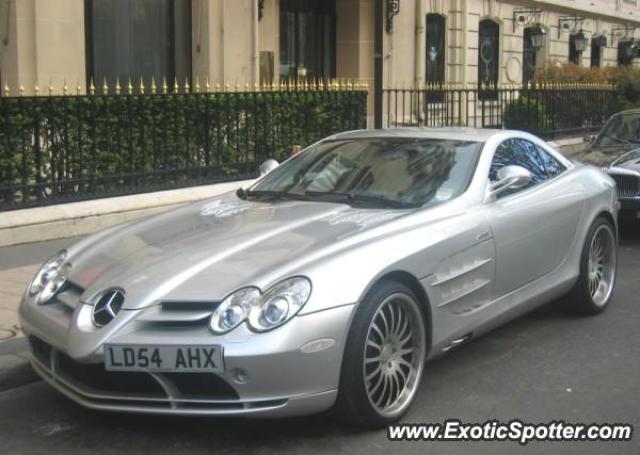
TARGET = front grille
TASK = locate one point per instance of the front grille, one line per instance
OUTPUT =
(92, 381)
(97, 378)
(178, 314)
(627, 182)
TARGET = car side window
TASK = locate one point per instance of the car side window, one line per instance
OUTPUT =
(551, 165)
(518, 152)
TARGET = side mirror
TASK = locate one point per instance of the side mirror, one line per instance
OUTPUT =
(268, 166)
(510, 178)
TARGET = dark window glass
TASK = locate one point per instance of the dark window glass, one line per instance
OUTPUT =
(408, 171)
(625, 52)
(552, 166)
(574, 55)
(518, 152)
(488, 57)
(596, 54)
(307, 38)
(138, 38)
(528, 56)
(435, 48)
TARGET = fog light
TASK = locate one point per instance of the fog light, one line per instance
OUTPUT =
(240, 376)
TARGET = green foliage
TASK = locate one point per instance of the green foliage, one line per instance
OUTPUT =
(57, 148)
(526, 114)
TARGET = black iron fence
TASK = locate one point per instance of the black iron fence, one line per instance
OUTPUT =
(549, 110)
(62, 148)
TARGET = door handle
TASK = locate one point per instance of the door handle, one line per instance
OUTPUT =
(483, 235)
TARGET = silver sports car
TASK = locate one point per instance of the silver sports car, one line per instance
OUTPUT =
(329, 282)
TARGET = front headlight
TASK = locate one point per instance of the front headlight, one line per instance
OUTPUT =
(50, 278)
(262, 311)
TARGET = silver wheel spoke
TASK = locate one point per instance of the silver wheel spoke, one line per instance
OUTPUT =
(394, 354)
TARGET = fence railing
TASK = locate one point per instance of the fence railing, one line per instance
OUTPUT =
(63, 148)
(547, 110)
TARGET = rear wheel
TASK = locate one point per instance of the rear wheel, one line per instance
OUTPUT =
(598, 268)
(384, 357)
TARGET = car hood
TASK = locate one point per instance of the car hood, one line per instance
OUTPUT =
(206, 250)
(621, 156)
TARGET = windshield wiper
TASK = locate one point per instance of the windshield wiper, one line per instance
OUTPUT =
(355, 198)
(267, 194)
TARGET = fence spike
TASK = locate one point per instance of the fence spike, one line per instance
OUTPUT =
(118, 87)
(197, 86)
(246, 86)
(165, 87)
(129, 86)
(218, 87)
(78, 89)
(176, 86)
(65, 88)
(207, 86)
(256, 87)
(7, 91)
(187, 88)
(105, 87)
(141, 86)
(36, 89)
(227, 86)
(154, 87)
(21, 90)
(92, 87)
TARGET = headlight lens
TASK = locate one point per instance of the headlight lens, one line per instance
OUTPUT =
(262, 311)
(50, 278)
(279, 304)
(233, 310)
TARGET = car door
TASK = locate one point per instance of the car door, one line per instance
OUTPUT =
(533, 227)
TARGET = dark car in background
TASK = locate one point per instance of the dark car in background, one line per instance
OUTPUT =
(616, 149)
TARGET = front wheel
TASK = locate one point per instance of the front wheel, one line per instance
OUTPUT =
(598, 268)
(384, 357)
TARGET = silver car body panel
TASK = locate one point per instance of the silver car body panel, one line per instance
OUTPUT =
(480, 262)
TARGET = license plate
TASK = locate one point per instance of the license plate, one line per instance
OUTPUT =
(163, 358)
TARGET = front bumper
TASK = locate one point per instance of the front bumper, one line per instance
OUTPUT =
(286, 372)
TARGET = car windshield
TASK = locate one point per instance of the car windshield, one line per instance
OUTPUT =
(394, 172)
(622, 129)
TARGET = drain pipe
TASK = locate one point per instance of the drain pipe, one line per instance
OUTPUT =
(420, 44)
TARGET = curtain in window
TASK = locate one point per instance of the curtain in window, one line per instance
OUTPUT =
(307, 38)
(139, 38)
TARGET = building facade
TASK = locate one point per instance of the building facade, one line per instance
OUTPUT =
(45, 44)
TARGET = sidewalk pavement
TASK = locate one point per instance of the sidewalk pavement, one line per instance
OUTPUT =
(14, 360)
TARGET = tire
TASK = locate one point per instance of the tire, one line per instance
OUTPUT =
(388, 333)
(594, 287)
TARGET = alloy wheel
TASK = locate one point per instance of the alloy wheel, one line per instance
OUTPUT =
(394, 355)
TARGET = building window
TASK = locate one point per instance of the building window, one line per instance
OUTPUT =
(488, 57)
(625, 52)
(575, 51)
(138, 39)
(528, 56)
(307, 39)
(435, 48)
(598, 43)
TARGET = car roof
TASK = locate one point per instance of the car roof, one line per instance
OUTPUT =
(451, 133)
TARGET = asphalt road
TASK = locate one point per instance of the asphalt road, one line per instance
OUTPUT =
(542, 367)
